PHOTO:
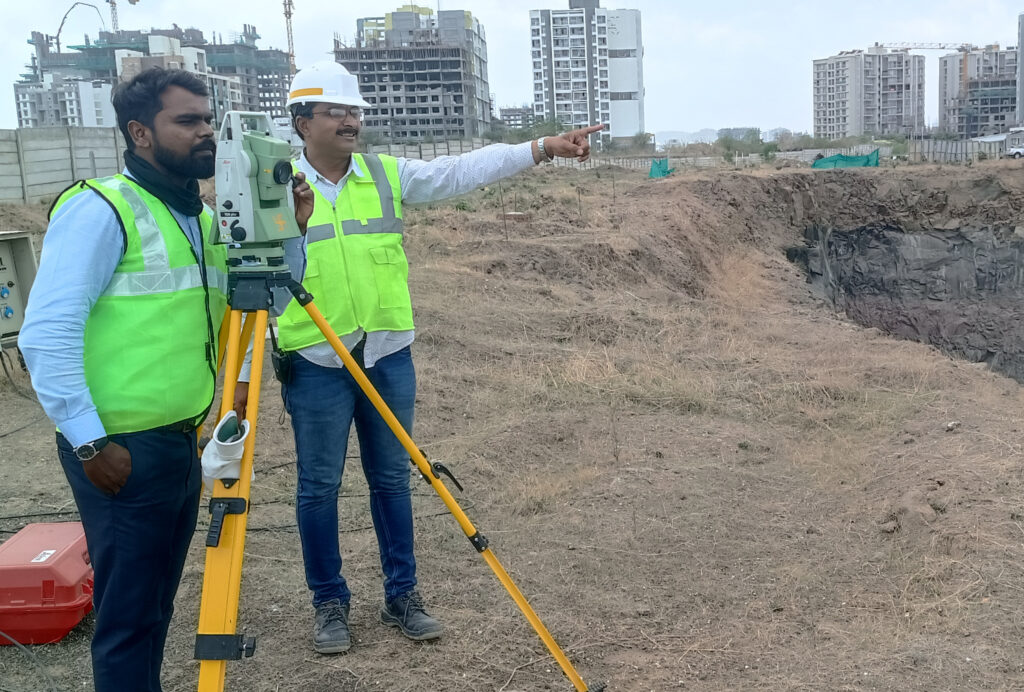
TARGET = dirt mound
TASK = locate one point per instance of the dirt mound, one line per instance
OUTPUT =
(18, 217)
(699, 474)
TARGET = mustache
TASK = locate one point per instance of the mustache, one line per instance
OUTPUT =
(348, 131)
(208, 145)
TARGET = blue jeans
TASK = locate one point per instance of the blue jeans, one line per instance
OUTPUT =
(137, 540)
(323, 403)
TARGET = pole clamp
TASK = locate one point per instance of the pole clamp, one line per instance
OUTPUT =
(479, 541)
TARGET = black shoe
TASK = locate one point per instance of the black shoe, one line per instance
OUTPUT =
(330, 628)
(407, 614)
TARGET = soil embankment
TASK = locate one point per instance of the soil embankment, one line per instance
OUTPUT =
(699, 473)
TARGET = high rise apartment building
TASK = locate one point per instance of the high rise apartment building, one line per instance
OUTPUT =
(1020, 67)
(517, 117)
(978, 91)
(64, 103)
(868, 92)
(423, 74)
(239, 74)
(168, 53)
(588, 67)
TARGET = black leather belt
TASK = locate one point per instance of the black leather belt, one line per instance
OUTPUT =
(182, 426)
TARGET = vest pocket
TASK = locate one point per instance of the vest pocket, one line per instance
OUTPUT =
(389, 274)
(312, 268)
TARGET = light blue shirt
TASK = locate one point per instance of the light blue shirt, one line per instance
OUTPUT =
(82, 248)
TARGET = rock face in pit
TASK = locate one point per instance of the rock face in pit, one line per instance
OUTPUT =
(960, 289)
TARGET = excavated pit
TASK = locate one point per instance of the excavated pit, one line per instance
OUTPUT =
(959, 289)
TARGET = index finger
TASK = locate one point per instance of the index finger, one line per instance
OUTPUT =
(590, 129)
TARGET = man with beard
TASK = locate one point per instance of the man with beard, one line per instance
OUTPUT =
(120, 338)
(356, 269)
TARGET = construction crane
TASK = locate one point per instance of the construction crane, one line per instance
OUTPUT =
(928, 46)
(65, 18)
(113, 12)
(964, 48)
(289, 7)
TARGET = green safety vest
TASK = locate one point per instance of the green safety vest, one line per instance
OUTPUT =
(150, 359)
(356, 268)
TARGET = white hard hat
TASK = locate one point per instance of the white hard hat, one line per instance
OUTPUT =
(325, 82)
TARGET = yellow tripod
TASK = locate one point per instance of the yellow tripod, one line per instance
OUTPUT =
(217, 640)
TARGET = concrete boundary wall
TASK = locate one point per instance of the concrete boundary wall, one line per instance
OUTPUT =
(428, 152)
(963, 151)
(37, 163)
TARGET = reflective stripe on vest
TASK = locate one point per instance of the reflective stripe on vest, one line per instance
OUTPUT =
(158, 276)
(154, 250)
(389, 221)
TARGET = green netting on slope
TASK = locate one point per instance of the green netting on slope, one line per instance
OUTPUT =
(659, 168)
(842, 161)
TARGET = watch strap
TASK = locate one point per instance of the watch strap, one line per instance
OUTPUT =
(544, 155)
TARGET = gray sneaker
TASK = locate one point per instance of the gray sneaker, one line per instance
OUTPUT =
(330, 628)
(407, 614)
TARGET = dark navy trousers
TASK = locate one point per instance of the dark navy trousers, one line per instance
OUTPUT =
(138, 540)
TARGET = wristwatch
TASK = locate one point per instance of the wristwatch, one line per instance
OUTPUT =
(90, 449)
(544, 156)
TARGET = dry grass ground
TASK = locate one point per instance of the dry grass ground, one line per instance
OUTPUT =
(699, 475)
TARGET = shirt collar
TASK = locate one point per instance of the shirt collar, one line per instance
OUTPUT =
(314, 176)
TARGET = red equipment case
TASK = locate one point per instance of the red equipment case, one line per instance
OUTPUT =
(45, 583)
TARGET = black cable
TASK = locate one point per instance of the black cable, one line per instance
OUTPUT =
(31, 654)
(292, 463)
(70, 513)
(30, 423)
(8, 366)
(58, 513)
(284, 528)
(65, 512)
(289, 528)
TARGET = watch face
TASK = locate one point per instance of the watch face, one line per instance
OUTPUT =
(86, 452)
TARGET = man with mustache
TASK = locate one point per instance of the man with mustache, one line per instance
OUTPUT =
(356, 269)
(120, 338)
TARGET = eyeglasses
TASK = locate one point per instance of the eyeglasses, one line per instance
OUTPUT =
(339, 113)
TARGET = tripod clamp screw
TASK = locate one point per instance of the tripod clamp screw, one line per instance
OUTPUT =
(437, 468)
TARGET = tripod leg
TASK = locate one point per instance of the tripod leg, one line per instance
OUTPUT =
(222, 342)
(247, 332)
(478, 540)
(222, 339)
(217, 641)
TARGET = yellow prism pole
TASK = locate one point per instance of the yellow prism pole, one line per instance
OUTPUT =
(218, 612)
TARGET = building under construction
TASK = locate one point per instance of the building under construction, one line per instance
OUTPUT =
(424, 74)
(44, 95)
(978, 91)
(263, 74)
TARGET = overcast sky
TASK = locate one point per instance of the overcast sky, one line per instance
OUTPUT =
(707, 64)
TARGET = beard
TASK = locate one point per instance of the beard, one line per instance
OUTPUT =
(200, 162)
